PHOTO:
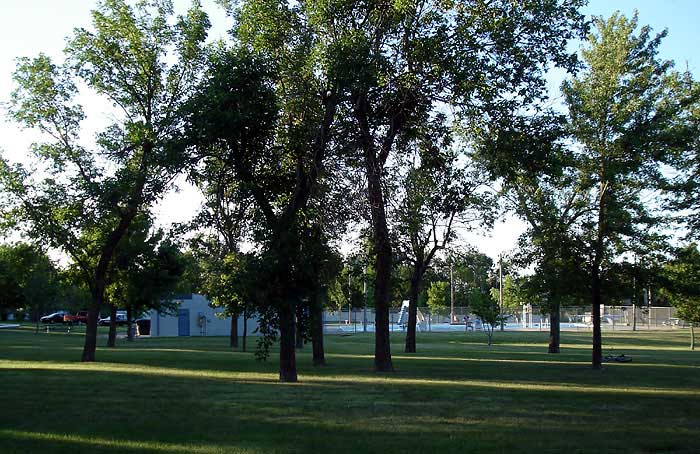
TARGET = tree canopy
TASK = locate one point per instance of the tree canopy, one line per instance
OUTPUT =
(82, 198)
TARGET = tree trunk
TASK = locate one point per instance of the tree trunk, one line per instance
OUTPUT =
(596, 290)
(91, 329)
(382, 266)
(288, 363)
(100, 280)
(382, 295)
(319, 357)
(233, 337)
(554, 329)
(416, 283)
(245, 329)
(130, 323)
(112, 337)
(299, 331)
(692, 336)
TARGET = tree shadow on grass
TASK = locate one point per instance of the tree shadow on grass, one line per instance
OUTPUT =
(135, 412)
(448, 361)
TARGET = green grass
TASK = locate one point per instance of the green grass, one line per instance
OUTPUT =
(194, 395)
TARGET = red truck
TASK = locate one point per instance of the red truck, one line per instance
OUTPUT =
(78, 318)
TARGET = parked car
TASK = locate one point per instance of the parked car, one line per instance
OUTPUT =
(56, 317)
(78, 318)
(121, 319)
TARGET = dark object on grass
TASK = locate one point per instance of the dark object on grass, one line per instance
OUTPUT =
(619, 358)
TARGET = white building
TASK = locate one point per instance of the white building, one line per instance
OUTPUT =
(195, 317)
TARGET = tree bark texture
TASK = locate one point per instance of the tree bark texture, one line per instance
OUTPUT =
(99, 283)
(554, 329)
(233, 336)
(91, 330)
(382, 265)
(375, 157)
(112, 337)
(288, 364)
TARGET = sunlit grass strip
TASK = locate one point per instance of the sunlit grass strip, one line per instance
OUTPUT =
(244, 377)
(122, 444)
(491, 360)
(316, 380)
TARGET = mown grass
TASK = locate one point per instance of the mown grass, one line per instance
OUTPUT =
(456, 395)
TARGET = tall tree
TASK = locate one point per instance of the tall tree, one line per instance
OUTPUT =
(437, 192)
(623, 111)
(684, 189)
(408, 58)
(144, 63)
(275, 122)
(540, 183)
(226, 212)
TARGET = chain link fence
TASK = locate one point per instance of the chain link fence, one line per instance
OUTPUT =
(528, 318)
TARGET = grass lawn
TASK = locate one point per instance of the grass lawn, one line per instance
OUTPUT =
(194, 395)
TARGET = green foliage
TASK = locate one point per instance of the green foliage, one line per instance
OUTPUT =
(85, 198)
(540, 185)
(137, 58)
(229, 279)
(585, 185)
(513, 295)
(489, 311)
(684, 189)
(623, 110)
(29, 281)
(146, 269)
(472, 275)
(682, 283)
(438, 296)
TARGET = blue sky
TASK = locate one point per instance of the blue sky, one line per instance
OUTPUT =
(28, 27)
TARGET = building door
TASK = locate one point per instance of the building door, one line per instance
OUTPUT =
(183, 322)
